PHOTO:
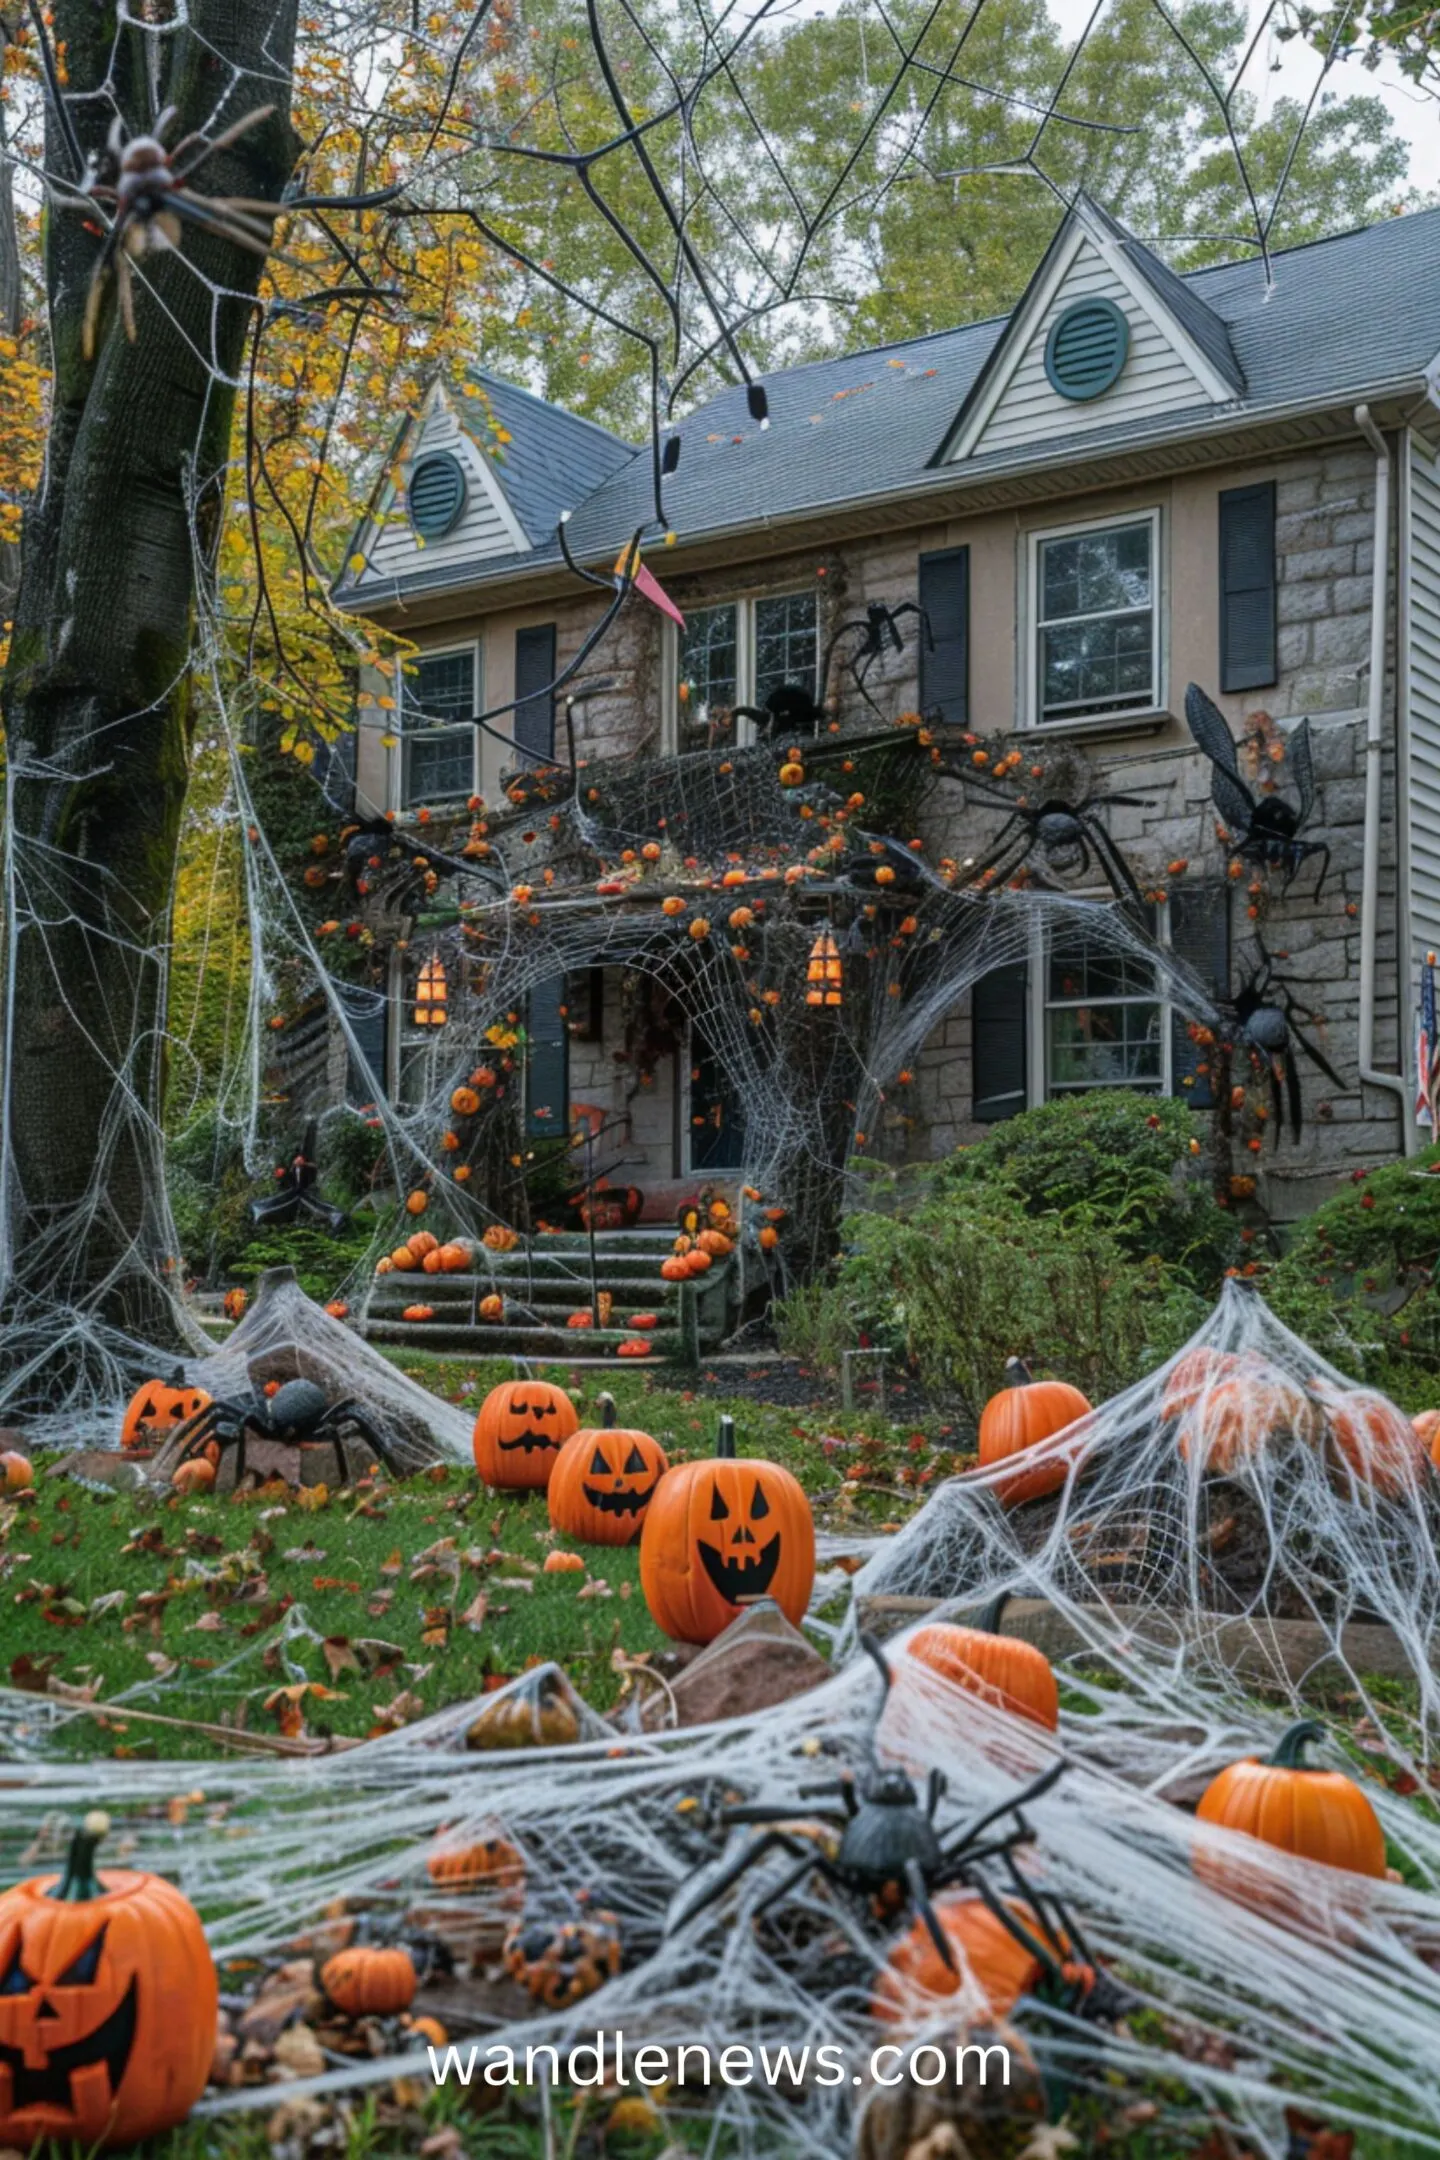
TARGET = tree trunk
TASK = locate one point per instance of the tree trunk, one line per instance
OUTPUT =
(98, 692)
(11, 300)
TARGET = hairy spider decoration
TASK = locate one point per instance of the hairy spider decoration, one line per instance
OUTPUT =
(1065, 833)
(294, 1192)
(377, 849)
(1264, 1017)
(147, 190)
(790, 709)
(297, 1415)
(891, 1852)
(1266, 829)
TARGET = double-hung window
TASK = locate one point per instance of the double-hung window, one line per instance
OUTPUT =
(1104, 1017)
(737, 653)
(1095, 612)
(441, 698)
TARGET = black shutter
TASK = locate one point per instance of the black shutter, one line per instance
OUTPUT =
(1200, 936)
(945, 664)
(366, 1011)
(534, 700)
(547, 1061)
(1247, 587)
(999, 1012)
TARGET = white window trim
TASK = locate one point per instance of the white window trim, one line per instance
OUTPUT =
(744, 605)
(476, 648)
(1037, 1033)
(1028, 643)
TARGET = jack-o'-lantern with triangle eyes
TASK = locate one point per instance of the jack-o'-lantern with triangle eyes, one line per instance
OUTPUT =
(522, 1426)
(158, 1409)
(604, 1480)
(108, 2004)
(720, 1535)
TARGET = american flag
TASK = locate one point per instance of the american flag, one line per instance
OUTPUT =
(1427, 1052)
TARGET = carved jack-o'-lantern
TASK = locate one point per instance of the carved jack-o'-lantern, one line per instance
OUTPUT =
(604, 1481)
(108, 2003)
(158, 1408)
(721, 1534)
(522, 1426)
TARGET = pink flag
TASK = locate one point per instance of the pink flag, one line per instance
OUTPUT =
(648, 585)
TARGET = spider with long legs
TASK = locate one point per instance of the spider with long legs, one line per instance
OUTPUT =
(1263, 1019)
(146, 188)
(892, 1852)
(792, 709)
(1065, 834)
(1266, 829)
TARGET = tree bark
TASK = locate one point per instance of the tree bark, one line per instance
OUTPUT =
(98, 692)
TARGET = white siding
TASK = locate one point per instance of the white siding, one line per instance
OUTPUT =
(1155, 379)
(1424, 684)
(486, 527)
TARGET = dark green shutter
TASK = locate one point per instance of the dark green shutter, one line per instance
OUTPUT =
(999, 1017)
(1200, 936)
(547, 1060)
(1247, 587)
(367, 1012)
(534, 699)
(945, 663)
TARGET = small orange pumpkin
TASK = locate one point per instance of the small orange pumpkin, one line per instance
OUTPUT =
(721, 1533)
(715, 1243)
(769, 1238)
(455, 1258)
(157, 1408)
(405, 1259)
(522, 1426)
(986, 1952)
(197, 1475)
(1025, 1414)
(1012, 1674)
(492, 1307)
(643, 1320)
(422, 1243)
(1427, 1428)
(465, 1102)
(635, 1346)
(604, 1481)
(234, 1303)
(675, 1268)
(416, 1203)
(418, 1313)
(338, 1309)
(563, 1563)
(1319, 1814)
(368, 1982)
(500, 1238)
(579, 1320)
(17, 1473)
(488, 1860)
(1379, 1445)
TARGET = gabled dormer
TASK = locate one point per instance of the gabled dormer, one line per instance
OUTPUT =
(441, 499)
(1104, 336)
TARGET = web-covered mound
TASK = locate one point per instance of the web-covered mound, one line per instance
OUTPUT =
(1242, 1513)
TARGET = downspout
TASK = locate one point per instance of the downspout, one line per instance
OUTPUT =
(1394, 1083)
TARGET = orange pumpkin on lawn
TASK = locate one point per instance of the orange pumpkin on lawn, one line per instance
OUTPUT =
(720, 1534)
(108, 2003)
(157, 1408)
(1246, 1412)
(17, 1473)
(1025, 1413)
(1012, 1674)
(1284, 1801)
(522, 1426)
(1375, 1441)
(367, 1982)
(487, 1860)
(987, 1958)
(1193, 1376)
(604, 1481)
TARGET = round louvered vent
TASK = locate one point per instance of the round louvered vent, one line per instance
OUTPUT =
(1086, 349)
(437, 494)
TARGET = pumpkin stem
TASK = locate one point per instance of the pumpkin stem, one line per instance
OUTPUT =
(605, 1404)
(80, 1883)
(1017, 1373)
(1290, 1753)
(725, 1440)
(993, 1613)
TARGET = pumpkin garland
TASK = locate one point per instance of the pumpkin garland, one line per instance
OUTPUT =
(604, 1481)
(721, 1534)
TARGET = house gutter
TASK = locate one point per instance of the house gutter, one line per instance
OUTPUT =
(1394, 1083)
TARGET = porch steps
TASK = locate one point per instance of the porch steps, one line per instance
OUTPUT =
(545, 1281)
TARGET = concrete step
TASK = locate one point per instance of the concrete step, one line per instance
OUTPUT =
(588, 1345)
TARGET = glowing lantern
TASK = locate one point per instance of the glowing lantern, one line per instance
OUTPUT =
(430, 1006)
(823, 974)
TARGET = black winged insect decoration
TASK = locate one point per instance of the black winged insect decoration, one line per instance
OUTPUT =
(1263, 1019)
(295, 1195)
(1266, 829)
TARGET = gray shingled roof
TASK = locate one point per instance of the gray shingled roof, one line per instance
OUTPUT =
(553, 460)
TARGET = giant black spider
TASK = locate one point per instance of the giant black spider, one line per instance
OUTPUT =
(1266, 830)
(1060, 830)
(147, 187)
(1262, 1016)
(790, 709)
(299, 1414)
(891, 1853)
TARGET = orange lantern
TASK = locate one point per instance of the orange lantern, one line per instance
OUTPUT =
(430, 1001)
(823, 974)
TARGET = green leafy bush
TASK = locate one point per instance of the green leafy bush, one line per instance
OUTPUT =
(321, 1262)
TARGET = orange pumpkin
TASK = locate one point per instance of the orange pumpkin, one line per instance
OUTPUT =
(604, 1481)
(1192, 1376)
(643, 1321)
(366, 1982)
(107, 2007)
(579, 1320)
(422, 1243)
(697, 1261)
(492, 1307)
(563, 1563)
(1246, 1412)
(987, 1955)
(1319, 1814)
(454, 1258)
(416, 1203)
(522, 1426)
(17, 1473)
(500, 1238)
(157, 1408)
(465, 1102)
(720, 1534)
(1379, 1445)
(675, 1269)
(432, 1263)
(195, 1476)
(1427, 1428)
(1025, 1414)
(1012, 1674)
(338, 1309)
(417, 1313)
(634, 1346)
(233, 1304)
(715, 1243)
(769, 1238)
(405, 1258)
(488, 1860)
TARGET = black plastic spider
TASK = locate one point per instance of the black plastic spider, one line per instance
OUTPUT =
(294, 1192)
(1263, 1017)
(891, 1853)
(1065, 833)
(298, 1413)
(147, 189)
(878, 627)
(1266, 830)
(789, 710)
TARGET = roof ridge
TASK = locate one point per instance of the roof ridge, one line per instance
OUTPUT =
(488, 377)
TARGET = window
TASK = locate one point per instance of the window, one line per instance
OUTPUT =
(737, 654)
(1104, 1018)
(1094, 607)
(440, 691)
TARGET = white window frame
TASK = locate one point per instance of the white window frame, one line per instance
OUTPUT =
(399, 771)
(744, 605)
(1029, 642)
(1037, 1075)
